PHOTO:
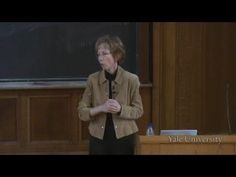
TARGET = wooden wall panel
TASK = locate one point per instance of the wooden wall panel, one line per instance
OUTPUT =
(50, 118)
(8, 119)
(189, 76)
(232, 76)
(220, 68)
(217, 43)
(193, 63)
(146, 94)
(168, 76)
(144, 69)
(85, 132)
(157, 86)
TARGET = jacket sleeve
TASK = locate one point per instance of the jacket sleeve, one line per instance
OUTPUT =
(135, 109)
(85, 102)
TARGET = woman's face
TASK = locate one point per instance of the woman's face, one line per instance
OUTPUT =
(105, 59)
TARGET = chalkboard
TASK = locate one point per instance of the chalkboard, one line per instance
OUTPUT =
(59, 50)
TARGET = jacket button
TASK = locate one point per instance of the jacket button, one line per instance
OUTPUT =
(102, 127)
(116, 126)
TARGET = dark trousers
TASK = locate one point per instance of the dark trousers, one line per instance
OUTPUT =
(125, 146)
(110, 145)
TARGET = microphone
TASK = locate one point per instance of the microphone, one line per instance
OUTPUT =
(227, 108)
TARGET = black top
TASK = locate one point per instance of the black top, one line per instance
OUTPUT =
(110, 78)
(109, 128)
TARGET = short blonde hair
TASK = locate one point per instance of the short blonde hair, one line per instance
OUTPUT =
(114, 44)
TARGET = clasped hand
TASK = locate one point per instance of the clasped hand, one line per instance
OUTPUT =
(111, 106)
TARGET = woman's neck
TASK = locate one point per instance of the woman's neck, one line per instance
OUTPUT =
(113, 69)
(110, 76)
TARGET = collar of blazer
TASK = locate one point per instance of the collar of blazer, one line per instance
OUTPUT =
(119, 76)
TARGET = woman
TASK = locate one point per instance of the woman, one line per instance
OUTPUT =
(111, 101)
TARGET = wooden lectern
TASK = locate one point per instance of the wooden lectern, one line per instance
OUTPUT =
(186, 145)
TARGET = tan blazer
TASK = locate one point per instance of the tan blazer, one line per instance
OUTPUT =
(125, 90)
